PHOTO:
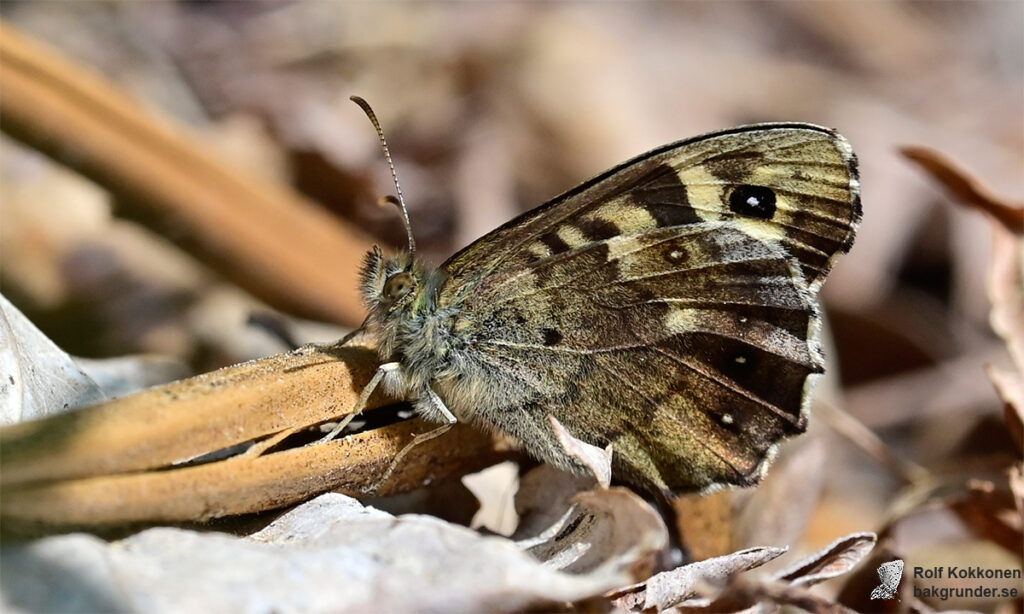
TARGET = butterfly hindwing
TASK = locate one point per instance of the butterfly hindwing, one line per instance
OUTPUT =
(670, 357)
(666, 307)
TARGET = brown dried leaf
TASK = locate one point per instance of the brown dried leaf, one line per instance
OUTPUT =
(990, 513)
(833, 560)
(965, 188)
(188, 418)
(1011, 389)
(706, 523)
(1017, 486)
(245, 484)
(1006, 290)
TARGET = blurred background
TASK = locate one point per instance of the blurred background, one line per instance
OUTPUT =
(119, 246)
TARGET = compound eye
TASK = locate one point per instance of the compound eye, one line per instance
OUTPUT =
(398, 286)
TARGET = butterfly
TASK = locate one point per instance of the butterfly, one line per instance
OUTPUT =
(667, 307)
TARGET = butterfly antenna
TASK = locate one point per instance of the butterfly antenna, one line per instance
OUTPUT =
(400, 202)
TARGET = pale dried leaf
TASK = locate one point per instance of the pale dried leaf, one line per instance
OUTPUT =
(330, 554)
(605, 529)
(672, 587)
(573, 528)
(833, 560)
(37, 378)
(595, 459)
(495, 489)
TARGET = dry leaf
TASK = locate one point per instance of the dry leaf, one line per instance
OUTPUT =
(966, 188)
(545, 495)
(706, 523)
(495, 489)
(37, 378)
(575, 529)
(669, 588)
(833, 560)
(125, 460)
(990, 513)
(330, 554)
(1006, 290)
(1017, 487)
(598, 461)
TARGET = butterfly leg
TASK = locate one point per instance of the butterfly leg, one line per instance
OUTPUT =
(421, 438)
(355, 334)
(364, 397)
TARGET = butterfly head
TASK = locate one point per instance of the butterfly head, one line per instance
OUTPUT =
(390, 284)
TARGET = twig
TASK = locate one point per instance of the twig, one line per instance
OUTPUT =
(864, 438)
(119, 461)
(266, 238)
(248, 484)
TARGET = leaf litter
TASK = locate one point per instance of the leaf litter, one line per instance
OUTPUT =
(907, 305)
(334, 554)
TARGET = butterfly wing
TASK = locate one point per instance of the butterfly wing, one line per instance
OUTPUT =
(666, 307)
(811, 171)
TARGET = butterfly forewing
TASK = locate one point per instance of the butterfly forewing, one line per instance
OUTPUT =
(811, 171)
(666, 307)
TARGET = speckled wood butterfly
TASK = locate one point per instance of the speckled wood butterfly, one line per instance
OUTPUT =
(666, 307)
